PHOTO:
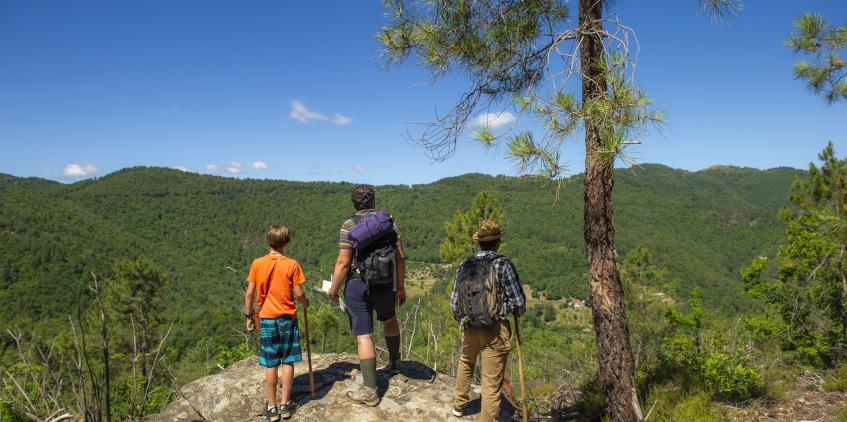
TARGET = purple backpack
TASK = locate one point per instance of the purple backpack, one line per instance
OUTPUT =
(374, 247)
(374, 228)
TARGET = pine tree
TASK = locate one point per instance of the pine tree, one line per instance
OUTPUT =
(809, 293)
(458, 243)
(824, 44)
(527, 51)
(134, 296)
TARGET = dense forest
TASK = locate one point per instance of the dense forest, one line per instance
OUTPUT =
(164, 252)
(712, 222)
(703, 226)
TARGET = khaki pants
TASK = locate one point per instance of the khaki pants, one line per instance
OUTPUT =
(492, 344)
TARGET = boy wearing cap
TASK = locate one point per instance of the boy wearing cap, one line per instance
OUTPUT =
(492, 342)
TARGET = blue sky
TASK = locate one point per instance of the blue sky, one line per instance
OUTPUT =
(297, 91)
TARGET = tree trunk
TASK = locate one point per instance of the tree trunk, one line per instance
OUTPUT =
(142, 323)
(614, 353)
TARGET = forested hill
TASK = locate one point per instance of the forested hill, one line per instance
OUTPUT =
(702, 226)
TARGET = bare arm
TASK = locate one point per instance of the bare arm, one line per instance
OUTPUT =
(249, 299)
(339, 273)
(400, 295)
(300, 294)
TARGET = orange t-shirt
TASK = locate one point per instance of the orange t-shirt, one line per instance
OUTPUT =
(275, 296)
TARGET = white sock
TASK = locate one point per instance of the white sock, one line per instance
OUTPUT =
(271, 407)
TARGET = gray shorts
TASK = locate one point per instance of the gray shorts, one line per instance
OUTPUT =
(362, 301)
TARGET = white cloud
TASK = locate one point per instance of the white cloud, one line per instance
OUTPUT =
(182, 168)
(333, 171)
(79, 170)
(233, 167)
(302, 114)
(359, 168)
(494, 120)
(212, 167)
(341, 120)
(259, 165)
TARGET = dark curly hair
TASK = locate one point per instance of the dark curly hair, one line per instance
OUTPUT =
(363, 197)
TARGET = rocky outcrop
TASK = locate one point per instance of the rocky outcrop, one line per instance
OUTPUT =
(237, 394)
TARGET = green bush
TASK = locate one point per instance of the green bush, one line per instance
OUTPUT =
(229, 355)
(8, 413)
(838, 380)
(729, 376)
(671, 405)
(708, 358)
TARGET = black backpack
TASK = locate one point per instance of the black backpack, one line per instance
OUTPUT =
(476, 286)
(375, 263)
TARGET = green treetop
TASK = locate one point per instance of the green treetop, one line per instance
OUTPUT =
(458, 243)
(823, 44)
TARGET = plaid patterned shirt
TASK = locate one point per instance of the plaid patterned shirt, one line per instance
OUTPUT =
(509, 292)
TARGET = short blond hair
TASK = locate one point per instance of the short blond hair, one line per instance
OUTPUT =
(278, 236)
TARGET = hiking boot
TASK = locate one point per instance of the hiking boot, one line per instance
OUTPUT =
(364, 395)
(272, 414)
(288, 409)
(458, 412)
(394, 367)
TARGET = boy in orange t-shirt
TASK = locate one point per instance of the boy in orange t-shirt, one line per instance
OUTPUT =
(278, 280)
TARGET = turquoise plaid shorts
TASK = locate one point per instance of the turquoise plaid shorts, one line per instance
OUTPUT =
(280, 342)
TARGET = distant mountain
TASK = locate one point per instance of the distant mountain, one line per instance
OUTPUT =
(702, 226)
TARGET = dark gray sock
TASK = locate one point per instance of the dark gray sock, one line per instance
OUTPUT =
(393, 344)
(368, 372)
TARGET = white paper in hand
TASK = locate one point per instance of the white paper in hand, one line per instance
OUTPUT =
(326, 286)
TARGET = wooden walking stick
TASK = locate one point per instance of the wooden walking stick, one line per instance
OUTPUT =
(520, 370)
(309, 353)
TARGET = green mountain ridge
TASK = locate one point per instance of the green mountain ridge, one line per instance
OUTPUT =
(703, 227)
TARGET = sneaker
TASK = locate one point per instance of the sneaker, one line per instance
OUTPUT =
(288, 409)
(458, 412)
(272, 414)
(364, 395)
(394, 367)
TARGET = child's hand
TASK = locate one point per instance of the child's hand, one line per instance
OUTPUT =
(250, 325)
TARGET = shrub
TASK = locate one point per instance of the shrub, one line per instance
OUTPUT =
(709, 359)
(838, 380)
(679, 405)
(728, 375)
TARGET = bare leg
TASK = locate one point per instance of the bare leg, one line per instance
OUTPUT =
(270, 385)
(365, 347)
(287, 380)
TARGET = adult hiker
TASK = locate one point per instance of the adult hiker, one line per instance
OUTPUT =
(372, 263)
(486, 291)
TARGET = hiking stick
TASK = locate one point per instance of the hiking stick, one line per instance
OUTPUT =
(309, 353)
(520, 370)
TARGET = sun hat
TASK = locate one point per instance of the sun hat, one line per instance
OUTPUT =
(488, 230)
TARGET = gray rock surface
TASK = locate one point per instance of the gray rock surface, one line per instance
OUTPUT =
(237, 394)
